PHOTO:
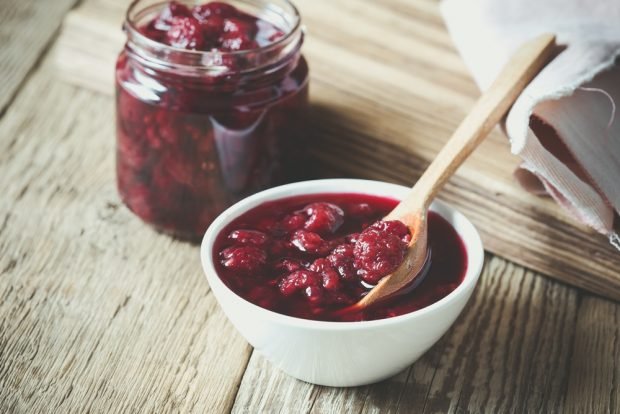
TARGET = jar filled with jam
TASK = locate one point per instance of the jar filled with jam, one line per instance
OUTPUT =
(210, 107)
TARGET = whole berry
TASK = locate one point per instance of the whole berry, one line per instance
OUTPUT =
(245, 259)
(323, 218)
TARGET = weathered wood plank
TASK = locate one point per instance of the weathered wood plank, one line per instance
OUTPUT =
(518, 340)
(594, 381)
(98, 312)
(393, 91)
(267, 390)
(26, 30)
(508, 352)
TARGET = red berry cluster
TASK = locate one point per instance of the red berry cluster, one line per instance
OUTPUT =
(310, 257)
(214, 25)
(167, 166)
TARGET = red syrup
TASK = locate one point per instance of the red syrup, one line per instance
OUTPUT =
(313, 256)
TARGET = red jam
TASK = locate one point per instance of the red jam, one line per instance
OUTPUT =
(210, 108)
(313, 256)
(214, 25)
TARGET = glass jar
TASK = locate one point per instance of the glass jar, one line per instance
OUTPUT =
(197, 131)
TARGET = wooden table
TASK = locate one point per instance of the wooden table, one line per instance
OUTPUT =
(99, 313)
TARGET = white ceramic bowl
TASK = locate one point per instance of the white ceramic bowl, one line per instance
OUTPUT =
(342, 353)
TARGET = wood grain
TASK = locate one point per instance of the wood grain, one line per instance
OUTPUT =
(595, 363)
(510, 351)
(98, 312)
(23, 44)
(393, 91)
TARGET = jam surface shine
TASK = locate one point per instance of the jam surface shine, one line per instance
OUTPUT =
(313, 256)
(213, 25)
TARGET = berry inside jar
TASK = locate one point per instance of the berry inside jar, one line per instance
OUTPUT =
(211, 103)
(215, 25)
(313, 256)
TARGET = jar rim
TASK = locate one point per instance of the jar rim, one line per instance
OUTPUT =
(210, 55)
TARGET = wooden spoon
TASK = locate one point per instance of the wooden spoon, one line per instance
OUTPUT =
(486, 113)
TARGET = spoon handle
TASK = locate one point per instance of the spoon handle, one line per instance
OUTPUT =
(494, 103)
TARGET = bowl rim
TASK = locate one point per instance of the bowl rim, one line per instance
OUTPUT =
(471, 240)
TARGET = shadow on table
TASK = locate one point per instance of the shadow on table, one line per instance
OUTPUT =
(342, 144)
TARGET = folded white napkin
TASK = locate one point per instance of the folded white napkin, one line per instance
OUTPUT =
(564, 125)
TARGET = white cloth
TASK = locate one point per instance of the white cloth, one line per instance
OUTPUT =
(576, 94)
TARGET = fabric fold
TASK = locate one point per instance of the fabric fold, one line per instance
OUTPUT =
(564, 125)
